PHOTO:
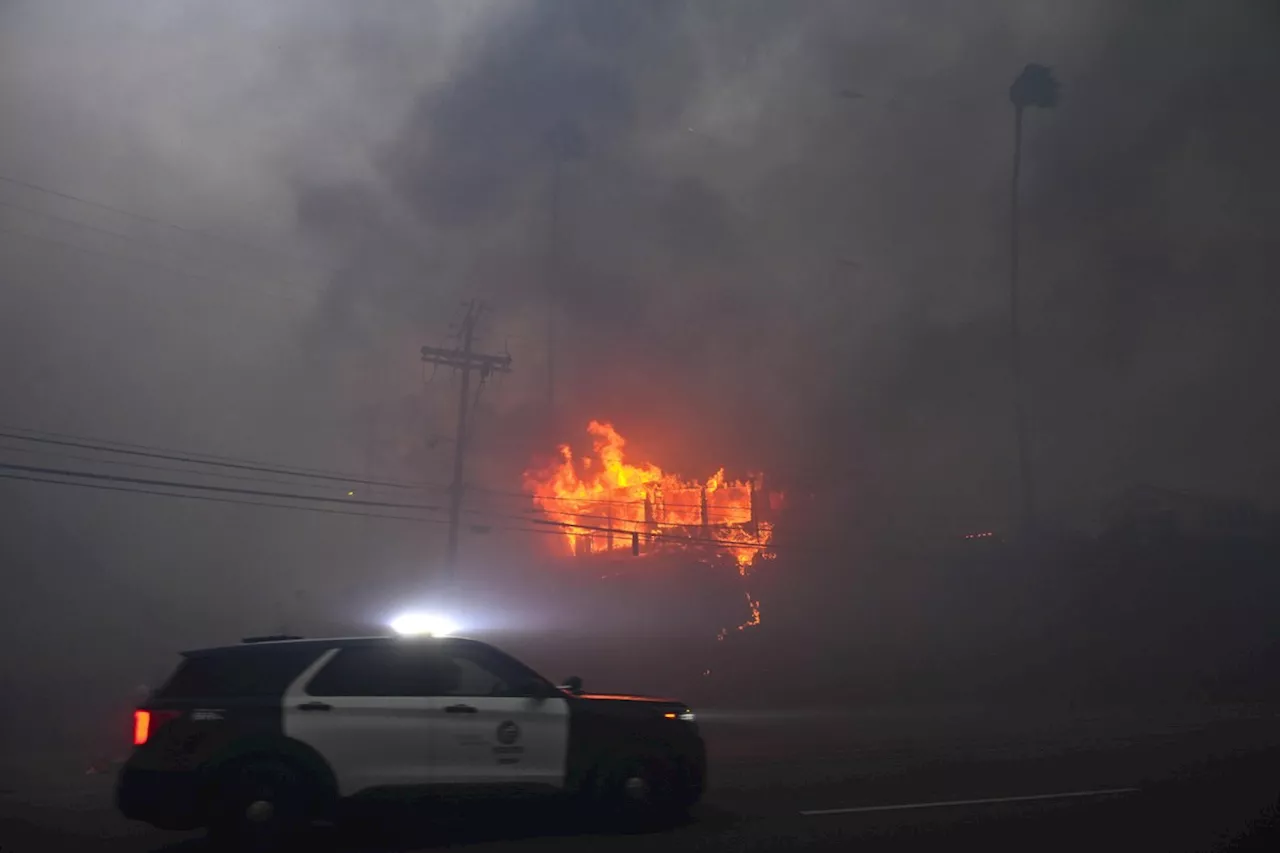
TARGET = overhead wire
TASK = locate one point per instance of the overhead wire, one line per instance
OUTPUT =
(192, 274)
(211, 460)
(294, 292)
(74, 222)
(577, 500)
(195, 232)
(729, 543)
(112, 482)
(167, 264)
(99, 460)
(133, 489)
(208, 487)
(655, 534)
(151, 452)
(191, 457)
(217, 499)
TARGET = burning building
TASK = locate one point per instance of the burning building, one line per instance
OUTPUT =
(606, 505)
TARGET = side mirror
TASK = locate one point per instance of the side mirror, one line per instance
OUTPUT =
(573, 684)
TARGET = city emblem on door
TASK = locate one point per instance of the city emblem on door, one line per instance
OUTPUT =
(506, 751)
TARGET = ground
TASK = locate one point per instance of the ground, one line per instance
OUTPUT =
(1156, 779)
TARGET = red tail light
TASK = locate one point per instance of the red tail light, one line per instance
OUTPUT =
(147, 723)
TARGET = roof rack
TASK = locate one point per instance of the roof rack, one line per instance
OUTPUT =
(270, 638)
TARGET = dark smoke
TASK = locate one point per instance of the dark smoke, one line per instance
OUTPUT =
(782, 248)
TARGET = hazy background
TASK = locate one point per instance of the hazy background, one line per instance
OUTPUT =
(783, 249)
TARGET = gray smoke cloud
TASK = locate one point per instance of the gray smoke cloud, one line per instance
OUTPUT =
(783, 248)
(787, 227)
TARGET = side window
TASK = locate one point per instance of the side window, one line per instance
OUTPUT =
(477, 671)
(463, 677)
(374, 671)
(240, 674)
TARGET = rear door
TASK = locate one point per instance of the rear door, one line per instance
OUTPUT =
(489, 727)
(368, 710)
(217, 699)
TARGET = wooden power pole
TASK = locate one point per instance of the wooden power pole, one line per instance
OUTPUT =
(464, 360)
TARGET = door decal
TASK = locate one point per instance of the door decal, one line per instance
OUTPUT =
(506, 752)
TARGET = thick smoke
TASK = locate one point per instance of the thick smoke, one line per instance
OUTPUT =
(781, 228)
(782, 247)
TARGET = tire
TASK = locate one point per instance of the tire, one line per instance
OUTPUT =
(258, 806)
(642, 793)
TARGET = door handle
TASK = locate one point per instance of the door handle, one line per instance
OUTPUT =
(315, 706)
(460, 709)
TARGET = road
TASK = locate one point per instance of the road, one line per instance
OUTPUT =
(895, 779)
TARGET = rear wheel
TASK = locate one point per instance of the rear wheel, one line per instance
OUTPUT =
(258, 806)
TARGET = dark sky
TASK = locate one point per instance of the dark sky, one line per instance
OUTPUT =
(784, 248)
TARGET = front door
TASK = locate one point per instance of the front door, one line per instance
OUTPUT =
(368, 710)
(493, 729)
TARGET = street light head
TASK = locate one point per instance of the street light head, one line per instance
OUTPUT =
(1034, 87)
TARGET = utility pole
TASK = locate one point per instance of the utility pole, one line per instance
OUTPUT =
(465, 360)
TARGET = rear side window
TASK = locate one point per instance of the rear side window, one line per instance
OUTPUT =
(238, 673)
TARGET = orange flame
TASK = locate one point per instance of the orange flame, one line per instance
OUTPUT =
(604, 499)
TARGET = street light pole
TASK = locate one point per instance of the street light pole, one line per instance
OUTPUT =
(1025, 481)
(1034, 87)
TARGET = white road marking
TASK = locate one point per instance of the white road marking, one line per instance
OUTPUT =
(988, 800)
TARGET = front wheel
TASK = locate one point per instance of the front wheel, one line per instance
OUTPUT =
(643, 792)
(259, 806)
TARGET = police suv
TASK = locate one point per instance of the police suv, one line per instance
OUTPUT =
(258, 739)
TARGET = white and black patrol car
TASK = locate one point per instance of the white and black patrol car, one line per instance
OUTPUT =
(264, 736)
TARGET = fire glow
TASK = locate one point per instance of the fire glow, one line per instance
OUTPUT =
(602, 500)
(606, 504)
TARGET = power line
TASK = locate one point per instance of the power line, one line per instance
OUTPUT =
(223, 276)
(215, 457)
(192, 274)
(132, 484)
(82, 443)
(293, 293)
(191, 457)
(97, 460)
(723, 511)
(68, 220)
(208, 487)
(262, 251)
(606, 501)
(215, 499)
(226, 500)
(195, 232)
(655, 535)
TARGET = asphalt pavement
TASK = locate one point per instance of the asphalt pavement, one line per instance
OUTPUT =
(1186, 779)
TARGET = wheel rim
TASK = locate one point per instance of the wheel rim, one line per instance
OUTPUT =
(636, 788)
(260, 811)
